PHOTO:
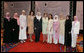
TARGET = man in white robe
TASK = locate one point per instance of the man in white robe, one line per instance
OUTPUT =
(23, 26)
(75, 31)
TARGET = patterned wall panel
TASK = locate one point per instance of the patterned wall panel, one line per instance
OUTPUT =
(17, 7)
(79, 13)
(53, 7)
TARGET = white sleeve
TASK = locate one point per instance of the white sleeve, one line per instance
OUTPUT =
(26, 21)
(72, 28)
(20, 20)
(78, 27)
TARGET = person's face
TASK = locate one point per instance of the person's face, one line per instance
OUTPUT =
(45, 15)
(50, 16)
(67, 17)
(38, 14)
(16, 15)
(61, 16)
(75, 18)
(55, 17)
(23, 13)
(31, 13)
(8, 14)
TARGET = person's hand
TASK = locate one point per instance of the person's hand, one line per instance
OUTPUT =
(21, 27)
(13, 29)
(35, 28)
(69, 32)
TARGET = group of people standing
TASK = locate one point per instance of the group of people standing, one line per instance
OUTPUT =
(11, 28)
(55, 29)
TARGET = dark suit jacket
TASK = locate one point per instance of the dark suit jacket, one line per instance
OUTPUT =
(38, 24)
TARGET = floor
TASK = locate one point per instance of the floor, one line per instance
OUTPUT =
(38, 47)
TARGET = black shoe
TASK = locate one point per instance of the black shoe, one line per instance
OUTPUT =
(36, 41)
(74, 50)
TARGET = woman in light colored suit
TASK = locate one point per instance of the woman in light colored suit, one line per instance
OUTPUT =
(44, 26)
(62, 29)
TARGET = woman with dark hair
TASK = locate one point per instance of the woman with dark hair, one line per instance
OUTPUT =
(68, 26)
(30, 23)
(50, 29)
(31, 12)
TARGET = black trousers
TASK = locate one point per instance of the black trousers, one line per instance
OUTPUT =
(37, 35)
(7, 36)
(15, 36)
(68, 39)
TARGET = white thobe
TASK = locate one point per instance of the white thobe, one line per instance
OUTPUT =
(74, 32)
(23, 23)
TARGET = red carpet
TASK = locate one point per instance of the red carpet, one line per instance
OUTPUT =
(36, 47)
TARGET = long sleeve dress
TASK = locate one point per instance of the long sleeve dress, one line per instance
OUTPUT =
(23, 23)
(75, 32)
(44, 25)
(7, 31)
(55, 32)
(68, 26)
(15, 32)
(50, 31)
(62, 31)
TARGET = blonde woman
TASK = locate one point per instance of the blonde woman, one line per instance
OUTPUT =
(44, 27)
(62, 29)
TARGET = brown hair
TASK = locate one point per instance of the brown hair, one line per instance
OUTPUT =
(46, 14)
(68, 16)
(51, 16)
(30, 12)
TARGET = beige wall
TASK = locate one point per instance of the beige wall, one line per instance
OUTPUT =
(53, 7)
(79, 13)
(17, 7)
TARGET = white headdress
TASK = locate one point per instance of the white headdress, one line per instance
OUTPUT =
(23, 10)
(56, 18)
(38, 17)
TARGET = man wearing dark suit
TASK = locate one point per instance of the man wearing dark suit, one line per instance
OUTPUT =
(37, 26)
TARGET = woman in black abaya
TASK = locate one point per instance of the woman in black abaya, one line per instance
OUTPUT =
(68, 26)
(15, 28)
